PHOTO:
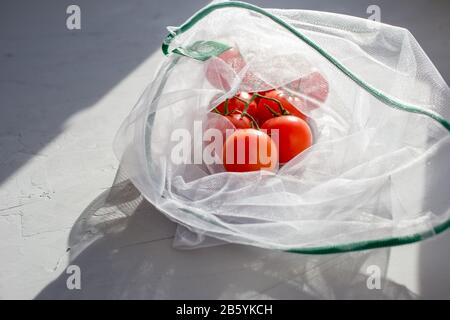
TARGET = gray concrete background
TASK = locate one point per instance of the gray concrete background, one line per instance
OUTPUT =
(63, 96)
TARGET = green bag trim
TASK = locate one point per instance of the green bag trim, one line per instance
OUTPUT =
(202, 50)
(346, 247)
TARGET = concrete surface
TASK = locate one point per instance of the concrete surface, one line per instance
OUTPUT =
(63, 96)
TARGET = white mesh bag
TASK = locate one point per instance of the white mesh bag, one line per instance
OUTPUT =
(378, 171)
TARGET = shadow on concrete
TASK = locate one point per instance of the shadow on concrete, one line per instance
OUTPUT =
(123, 247)
(48, 72)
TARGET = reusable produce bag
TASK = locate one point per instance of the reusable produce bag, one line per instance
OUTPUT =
(377, 173)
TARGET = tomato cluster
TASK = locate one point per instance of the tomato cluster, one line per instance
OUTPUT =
(270, 128)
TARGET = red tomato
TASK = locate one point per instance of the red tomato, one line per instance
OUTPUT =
(237, 103)
(294, 135)
(214, 121)
(240, 121)
(249, 150)
(263, 113)
(314, 86)
(218, 74)
(252, 83)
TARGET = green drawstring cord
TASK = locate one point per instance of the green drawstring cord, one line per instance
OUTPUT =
(243, 5)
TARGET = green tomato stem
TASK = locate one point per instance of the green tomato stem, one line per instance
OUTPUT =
(254, 122)
(246, 105)
(282, 109)
(273, 112)
(225, 107)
